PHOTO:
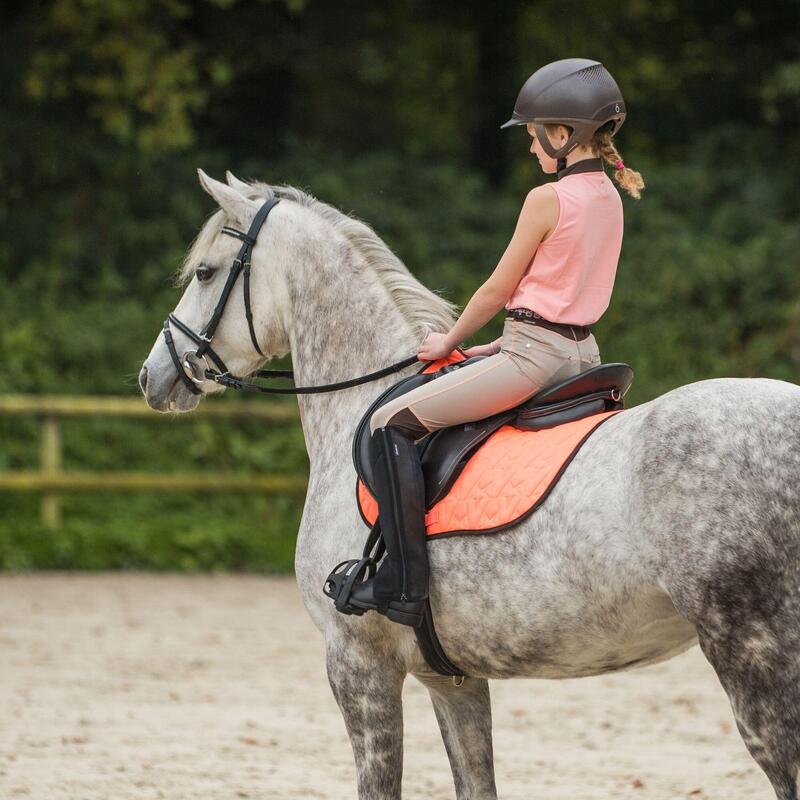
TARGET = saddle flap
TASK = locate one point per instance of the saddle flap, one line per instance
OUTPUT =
(448, 450)
(361, 438)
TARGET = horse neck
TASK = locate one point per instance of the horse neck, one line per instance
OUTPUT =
(343, 324)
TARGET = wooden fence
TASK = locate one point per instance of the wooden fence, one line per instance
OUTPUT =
(50, 480)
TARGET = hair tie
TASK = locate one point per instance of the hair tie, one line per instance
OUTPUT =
(620, 165)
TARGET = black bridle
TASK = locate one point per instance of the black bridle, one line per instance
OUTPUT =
(222, 375)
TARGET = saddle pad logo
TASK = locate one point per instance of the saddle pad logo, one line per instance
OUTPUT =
(508, 478)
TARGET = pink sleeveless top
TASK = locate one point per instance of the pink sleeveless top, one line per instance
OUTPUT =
(572, 273)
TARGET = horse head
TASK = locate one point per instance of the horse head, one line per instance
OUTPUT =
(217, 294)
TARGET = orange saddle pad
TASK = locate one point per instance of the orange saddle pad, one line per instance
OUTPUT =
(508, 478)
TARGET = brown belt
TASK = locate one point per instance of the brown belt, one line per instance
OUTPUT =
(575, 332)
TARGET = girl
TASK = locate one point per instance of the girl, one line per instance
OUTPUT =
(555, 278)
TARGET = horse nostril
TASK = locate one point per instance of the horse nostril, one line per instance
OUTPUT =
(143, 379)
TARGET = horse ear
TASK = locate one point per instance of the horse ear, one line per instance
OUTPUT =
(235, 183)
(238, 208)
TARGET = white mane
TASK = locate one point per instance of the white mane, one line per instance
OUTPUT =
(424, 309)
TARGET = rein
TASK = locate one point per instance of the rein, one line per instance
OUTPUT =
(232, 382)
(186, 368)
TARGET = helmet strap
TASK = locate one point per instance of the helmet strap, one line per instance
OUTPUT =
(547, 146)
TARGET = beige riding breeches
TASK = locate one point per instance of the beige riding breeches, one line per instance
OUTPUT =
(531, 357)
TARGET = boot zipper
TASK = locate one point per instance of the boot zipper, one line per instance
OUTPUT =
(399, 521)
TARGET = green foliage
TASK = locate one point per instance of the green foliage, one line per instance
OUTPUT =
(139, 78)
(158, 532)
(390, 112)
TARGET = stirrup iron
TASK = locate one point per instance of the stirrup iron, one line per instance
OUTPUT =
(345, 575)
(348, 574)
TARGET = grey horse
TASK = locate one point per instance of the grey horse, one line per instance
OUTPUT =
(677, 522)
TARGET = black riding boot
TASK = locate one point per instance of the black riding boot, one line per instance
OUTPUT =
(400, 588)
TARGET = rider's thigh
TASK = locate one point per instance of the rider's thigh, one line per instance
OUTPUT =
(531, 358)
(473, 392)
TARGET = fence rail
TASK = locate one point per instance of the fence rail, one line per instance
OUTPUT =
(52, 480)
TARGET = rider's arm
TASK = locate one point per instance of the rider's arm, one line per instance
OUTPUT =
(494, 293)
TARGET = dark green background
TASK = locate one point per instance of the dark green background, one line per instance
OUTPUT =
(389, 111)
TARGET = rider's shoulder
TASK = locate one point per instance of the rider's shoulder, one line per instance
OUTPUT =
(541, 198)
(544, 193)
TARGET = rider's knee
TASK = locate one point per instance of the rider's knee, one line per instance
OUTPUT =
(403, 419)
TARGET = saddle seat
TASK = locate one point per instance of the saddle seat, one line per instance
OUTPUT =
(444, 453)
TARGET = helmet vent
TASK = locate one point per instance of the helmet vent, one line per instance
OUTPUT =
(596, 75)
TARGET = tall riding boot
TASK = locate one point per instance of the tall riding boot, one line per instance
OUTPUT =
(400, 588)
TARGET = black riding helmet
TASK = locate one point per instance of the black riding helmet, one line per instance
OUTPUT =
(575, 92)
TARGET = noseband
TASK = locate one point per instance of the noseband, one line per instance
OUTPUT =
(222, 375)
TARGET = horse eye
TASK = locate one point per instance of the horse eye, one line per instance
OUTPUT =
(204, 273)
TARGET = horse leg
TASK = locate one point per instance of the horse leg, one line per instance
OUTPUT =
(368, 685)
(763, 684)
(762, 680)
(747, 616)
(465, 720)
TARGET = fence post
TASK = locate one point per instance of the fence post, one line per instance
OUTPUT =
(51, 464)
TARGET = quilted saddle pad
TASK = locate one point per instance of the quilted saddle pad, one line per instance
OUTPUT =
(507, 478)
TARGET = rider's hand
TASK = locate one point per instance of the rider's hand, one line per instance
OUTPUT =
(480, 350)
(435, 346)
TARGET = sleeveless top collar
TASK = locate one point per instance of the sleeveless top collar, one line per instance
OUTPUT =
(585, 165)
